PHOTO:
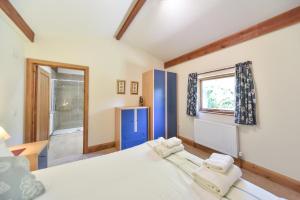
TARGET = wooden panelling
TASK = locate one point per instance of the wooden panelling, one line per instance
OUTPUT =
(135, 10)
(86, 108)
(32, 152)
(186, 140)
(100, 147)
(56, 64)
(271, 175)
(147, 90)
(42, 105)
(30, 100)
(118, 128)
(266, 173)
(13, 14)
(281, 21)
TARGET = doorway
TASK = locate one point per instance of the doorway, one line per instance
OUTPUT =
(56, 106)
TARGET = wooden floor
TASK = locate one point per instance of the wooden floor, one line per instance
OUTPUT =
(260, 181)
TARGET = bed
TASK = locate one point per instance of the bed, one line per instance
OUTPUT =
(133, 174)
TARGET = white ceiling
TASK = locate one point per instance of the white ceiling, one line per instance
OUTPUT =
(170, 28)
(164, 28)
(73, 18)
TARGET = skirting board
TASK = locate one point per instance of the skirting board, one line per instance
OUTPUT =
(269, 174)
(100, 147)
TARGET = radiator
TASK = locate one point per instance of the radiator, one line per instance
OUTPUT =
(218, 136)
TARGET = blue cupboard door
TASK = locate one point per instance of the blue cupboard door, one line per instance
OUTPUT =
(133, 143)
(127, 126)
(159, 104)
(43, 159)
(134, 129)
(171, 104)
(142, 123)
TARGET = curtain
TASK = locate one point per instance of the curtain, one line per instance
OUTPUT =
(192, 95)
(245, 107)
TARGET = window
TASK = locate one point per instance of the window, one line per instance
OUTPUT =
(217, 94)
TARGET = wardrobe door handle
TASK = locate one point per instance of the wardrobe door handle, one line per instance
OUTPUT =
(135, 121)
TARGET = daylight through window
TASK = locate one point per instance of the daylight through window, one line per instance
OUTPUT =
(218, 94)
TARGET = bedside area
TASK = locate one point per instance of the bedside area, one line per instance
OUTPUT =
(35, 152)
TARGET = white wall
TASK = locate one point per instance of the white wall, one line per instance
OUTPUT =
(11, 80)
(274, 142)
(108, 61)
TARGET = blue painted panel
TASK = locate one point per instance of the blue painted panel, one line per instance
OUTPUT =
(129, 137)
(43, 159)
(142, 115)
(172, 104)
(127, 125)
(159, 103)
(132, 143)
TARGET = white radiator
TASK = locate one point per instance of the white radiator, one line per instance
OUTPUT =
(218, 136)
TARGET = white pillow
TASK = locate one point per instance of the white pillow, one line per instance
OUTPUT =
(4, 151)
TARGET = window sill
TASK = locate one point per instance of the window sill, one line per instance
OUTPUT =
(216, 112)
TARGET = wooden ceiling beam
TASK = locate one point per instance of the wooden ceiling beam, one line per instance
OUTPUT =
(275, 23)
(13, 14)
(134, 11)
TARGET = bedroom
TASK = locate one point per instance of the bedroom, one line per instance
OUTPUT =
(158, 31)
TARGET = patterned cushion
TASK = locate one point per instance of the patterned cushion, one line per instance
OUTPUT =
(16, 181)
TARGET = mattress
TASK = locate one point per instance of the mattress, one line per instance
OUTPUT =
(133, 174)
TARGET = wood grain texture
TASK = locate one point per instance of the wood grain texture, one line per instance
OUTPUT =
(13, 14)
(271, 175)
(30, 102)
(266, 173)
(278, 22)
(42, 105)
(135, 10)
(186, 140)
(101, 147)
(56, 64)
(32, 152)
(86, 109)
(118, 128)
(147, 94)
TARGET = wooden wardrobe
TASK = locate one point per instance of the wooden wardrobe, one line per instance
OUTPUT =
(160, 95)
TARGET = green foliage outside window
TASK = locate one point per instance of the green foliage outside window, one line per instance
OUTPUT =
(218, 94)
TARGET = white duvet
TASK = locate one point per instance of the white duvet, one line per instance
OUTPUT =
(134, 174)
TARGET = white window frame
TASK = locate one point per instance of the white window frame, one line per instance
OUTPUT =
(213, 111)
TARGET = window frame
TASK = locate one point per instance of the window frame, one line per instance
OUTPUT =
(208, 110)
